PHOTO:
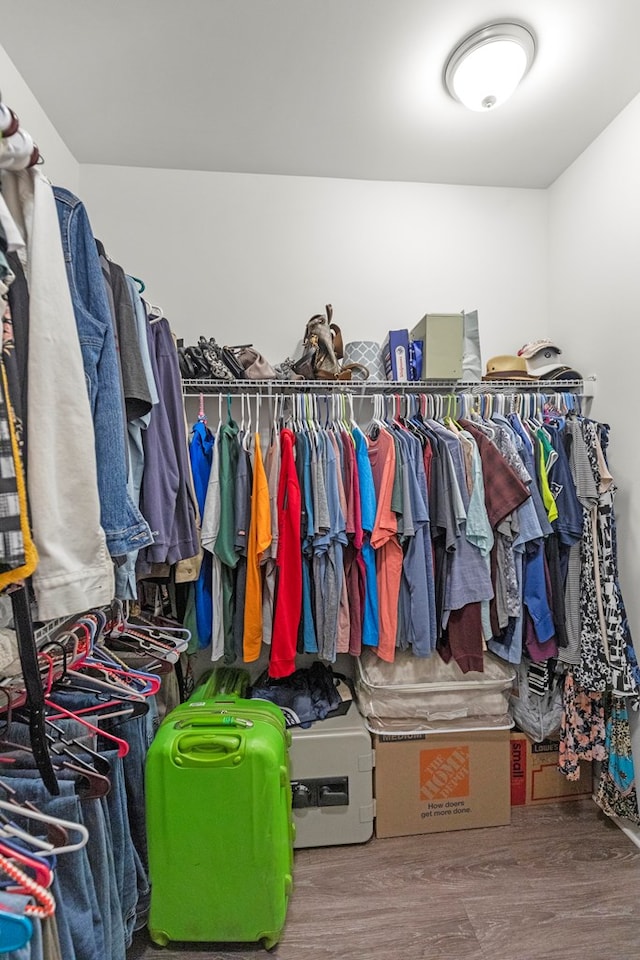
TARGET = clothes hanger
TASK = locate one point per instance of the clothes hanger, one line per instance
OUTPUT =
(202, 417)
(353, 424)
(154, 313)
(258, 407)
(99, 671)
(247, 439)
(138, 679)
(161, 656)
(9, 829)
(133, 682)
(157, 628)
(141, 283)
(84, 678)
(61, 743)
(69, 825)
(15, 931)
(91, 682)
(241, 430)
(56, 835)
(38, 866)
(44, 906)
(123, 746)
(103, 710)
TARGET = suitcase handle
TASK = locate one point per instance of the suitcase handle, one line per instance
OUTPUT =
(213, 720)
(215, 749)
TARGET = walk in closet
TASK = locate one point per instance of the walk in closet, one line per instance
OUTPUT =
(338, 668)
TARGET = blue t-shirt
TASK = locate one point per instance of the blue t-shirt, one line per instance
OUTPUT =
(368, 506)
(201, 455)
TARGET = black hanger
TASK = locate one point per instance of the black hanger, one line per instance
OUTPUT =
(60, 745)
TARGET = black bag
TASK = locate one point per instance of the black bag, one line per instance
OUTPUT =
(232, 362)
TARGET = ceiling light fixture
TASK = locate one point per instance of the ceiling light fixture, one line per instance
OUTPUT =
(485, 69)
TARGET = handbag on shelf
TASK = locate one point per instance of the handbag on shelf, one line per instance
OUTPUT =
(233, 364)
(250, 362)
(213, 356)
(200, 362)
(322, 351)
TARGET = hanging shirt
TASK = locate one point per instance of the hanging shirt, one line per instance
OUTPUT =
(225, 547)
(354, 569)
(303, 452)
(272, 471)
(210, 530)
(258, 541)
(384, 540)
(244, 483)
(416, 584)
(289, 590)
(201, 454)
(324, 579)
(368, 506)
(543, 479)
(468, 581)
(344, 620)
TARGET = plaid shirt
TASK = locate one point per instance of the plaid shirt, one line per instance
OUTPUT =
(503, 488)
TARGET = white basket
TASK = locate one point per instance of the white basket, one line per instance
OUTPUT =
(429, 693)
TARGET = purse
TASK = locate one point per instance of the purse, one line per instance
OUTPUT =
(212, 357)
(322, 351)
(232, 363)
(252, 363)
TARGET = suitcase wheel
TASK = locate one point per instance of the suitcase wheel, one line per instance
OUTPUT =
(159, 937)
(269, 942)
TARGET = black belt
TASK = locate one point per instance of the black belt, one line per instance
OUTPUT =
(33, 686)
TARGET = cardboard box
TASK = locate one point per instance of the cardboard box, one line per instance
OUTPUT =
(428, 783)
(395, 355)
(442, 334)
(535, 777)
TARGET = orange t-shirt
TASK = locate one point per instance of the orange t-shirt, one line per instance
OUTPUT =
(258, 540)
(384, 540)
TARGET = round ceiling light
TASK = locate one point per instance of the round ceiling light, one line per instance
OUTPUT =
(485, 69)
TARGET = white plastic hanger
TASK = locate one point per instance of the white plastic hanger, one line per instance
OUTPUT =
(45, 818)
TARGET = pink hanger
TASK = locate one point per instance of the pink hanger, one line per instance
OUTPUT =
(123, 746)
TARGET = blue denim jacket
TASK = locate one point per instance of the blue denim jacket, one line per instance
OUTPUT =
(124, 526)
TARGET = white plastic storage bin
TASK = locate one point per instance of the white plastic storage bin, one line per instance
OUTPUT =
(416, 694)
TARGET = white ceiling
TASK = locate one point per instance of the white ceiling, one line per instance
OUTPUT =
(335, 88)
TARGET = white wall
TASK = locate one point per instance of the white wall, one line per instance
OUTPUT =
(250, 258)
(594, 270)
(60, 166)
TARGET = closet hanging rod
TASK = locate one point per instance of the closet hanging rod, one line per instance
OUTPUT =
(208, 387)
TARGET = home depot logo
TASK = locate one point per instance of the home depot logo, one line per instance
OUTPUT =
(444, 773)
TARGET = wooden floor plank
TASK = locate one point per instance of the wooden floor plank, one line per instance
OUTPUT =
(560, 882)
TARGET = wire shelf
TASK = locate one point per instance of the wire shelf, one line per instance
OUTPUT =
(584, 387)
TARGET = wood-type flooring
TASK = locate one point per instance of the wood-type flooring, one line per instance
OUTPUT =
(562, 882)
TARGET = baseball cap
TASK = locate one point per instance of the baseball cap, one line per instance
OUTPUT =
(541, 357)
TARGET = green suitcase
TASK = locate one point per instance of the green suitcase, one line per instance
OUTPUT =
(219, 823)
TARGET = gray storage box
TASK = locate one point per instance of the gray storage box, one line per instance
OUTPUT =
(332, 781)
(442, 334)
